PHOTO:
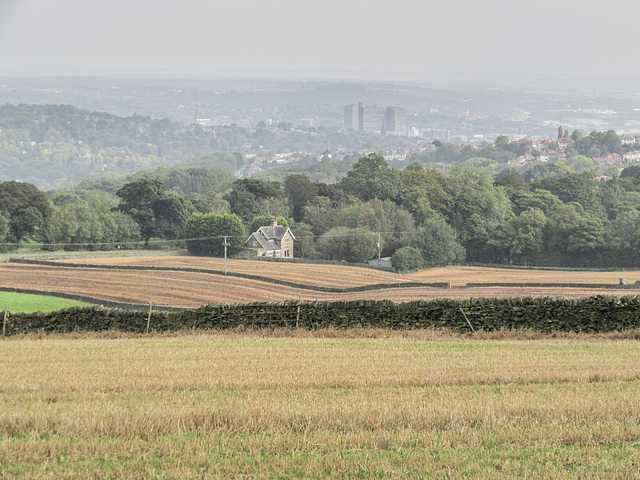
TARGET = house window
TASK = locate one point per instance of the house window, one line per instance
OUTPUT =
(286, 240)
(277, 253)
(287, 254)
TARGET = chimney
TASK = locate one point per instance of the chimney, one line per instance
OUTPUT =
(274, 222)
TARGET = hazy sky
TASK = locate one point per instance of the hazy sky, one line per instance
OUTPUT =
(190, 36)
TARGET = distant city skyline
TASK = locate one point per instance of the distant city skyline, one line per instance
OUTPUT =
(346, 37)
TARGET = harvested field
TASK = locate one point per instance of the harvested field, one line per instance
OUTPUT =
(463, 275)
(344, 276)
(186, 289)
(322, 275)
(422, 405)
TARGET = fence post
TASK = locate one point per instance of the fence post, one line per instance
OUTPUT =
(4, 323)
(149, 317)
(467, 319)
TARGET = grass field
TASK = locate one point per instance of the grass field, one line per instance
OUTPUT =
(325, 404)
(23, 302)
(185, 289)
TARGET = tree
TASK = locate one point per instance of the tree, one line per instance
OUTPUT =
(539, 199)
(80, 224)
(424, 190)
(305, 245)
(371, 178)
(562, 222)
(520, 237)
(514, 181)
(630, 171)
(576, 135)
(437, 242)
(300, 191)
(474, 192)
(588, 235)
(406, 259)
(265, 221)
(575, 187)
(248, 197)
(26, 208)
(377, 216)
(4, 233)
(350, 244)
(502, 141)
(158, 212)
(204, 231)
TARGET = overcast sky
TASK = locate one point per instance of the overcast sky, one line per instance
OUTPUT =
(213, 36)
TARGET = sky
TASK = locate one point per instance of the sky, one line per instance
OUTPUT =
(71, 37)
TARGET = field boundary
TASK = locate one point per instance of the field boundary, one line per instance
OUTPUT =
(277, 281)
(595, 314)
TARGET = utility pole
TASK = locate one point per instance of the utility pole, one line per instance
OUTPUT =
(378, 249)
(225, 242)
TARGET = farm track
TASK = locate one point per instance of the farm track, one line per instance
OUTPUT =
(190, 289)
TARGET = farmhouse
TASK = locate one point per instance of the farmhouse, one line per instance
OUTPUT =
(272, 241)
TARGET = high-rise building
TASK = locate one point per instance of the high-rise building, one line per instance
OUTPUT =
(352, 117)
(307, 122)
(442, 135)
(375, 119)
(395, 121)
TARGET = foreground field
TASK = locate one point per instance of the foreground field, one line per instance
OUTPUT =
(413, 404)
(189, 289)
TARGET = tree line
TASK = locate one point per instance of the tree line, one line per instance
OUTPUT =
(417, 216)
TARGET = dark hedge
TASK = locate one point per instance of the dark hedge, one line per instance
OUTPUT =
(544, 314)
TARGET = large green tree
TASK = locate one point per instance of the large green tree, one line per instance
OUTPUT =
(205, 232)
(300, 191)
(437, 242)
(371, 178)
(350, 244)
(26, 208)
(159, 213)
(250, 197)
(89, 223)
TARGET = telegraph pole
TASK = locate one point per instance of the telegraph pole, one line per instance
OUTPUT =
(225, 242)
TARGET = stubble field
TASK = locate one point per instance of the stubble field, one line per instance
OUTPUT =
(319, 404)
(190, 289)
(294, 404)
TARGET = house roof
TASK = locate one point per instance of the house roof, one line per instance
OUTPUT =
(270, 238)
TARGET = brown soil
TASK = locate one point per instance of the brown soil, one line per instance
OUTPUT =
(185, 289)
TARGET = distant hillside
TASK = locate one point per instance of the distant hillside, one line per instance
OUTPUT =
(183, 181)
(56, 146)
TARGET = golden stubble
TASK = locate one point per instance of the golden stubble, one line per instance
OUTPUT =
(205, 383)
(329, 403)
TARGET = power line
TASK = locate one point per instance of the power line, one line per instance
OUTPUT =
(192, 239)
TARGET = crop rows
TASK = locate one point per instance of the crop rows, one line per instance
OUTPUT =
(187, 289)
(337, 275)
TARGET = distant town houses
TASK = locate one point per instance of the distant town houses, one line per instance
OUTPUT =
(611, 159)
(565, 142)
(631, 157)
